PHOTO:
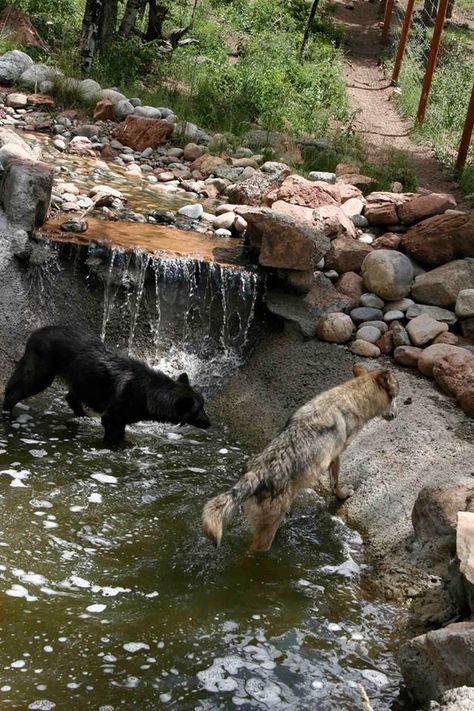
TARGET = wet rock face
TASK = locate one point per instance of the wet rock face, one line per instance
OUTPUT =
(25, 192)
(437, 661)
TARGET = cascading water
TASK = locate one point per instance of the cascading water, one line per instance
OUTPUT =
(202, 316)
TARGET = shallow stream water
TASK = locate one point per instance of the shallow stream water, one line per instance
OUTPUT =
(112, 598)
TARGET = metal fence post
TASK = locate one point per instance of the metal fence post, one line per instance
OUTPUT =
(466, 137)
(403, 41)
(387, 19)
(430, 67)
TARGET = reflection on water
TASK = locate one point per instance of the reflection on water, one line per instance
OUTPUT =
(111, 597)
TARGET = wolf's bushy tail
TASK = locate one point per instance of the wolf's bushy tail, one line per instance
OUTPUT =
(218, 511)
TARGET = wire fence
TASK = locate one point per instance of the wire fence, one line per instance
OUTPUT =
(431, 59)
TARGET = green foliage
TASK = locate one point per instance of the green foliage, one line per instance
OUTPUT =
(125, 61)
(450, 91)
(393, 168)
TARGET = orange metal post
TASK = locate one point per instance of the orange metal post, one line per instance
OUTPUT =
(466, 137)
(432, 59)
(403, 41)
(387, 19)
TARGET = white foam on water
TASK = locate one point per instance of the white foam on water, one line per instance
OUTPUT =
(41, 504)
(135, 646)
(109, 591)
(224, 450)
(6, 688)
(38, 453)
(73, 685)
(42, 705)
(18, 664)
(97, 607)
(197, 470)
(104, 478)
(20, 591)
(152, 594)
(78, 582)
(263, 691)
(23, 419)
(95, 498)
(48, 648)
(164, 698)
(174, 435)
(50, 524)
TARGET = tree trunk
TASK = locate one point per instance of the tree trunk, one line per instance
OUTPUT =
(90, 33)
(156, 16)
(132, 9)
(449, 11)
(108, 23)
(429, 12)
(312, 14)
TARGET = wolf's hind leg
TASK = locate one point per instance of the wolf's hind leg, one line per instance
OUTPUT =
(24, 383)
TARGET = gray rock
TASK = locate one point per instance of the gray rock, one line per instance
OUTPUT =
(360, 221)
(194, 212)
(222, 232)
(441, 286)
(439, 314)
(465, 303)
(423, 329)
(321, 175)
(393, 315)
(112, 95)
(165, 112)
(252, 190)
(89, 89)
(12, 66)
(136, 101)
(400, 336)
(399, 305)
(74, 225)
(185, 129)
(25, 192)
(228, 172)
(368, 333)
(366, 313)
(381, 325)
(89, 130)
(299, 317)
(332, 275)
(122, 109)
(460, 699)
(147, 111)
(37, 73)
(387, 273)
(59, 144)
(372, 300)
(438, 661)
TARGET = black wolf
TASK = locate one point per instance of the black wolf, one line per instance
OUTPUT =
(122, 389)
(309, 446)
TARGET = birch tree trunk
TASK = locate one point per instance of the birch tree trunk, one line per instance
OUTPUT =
(132, 9)
(90, 33)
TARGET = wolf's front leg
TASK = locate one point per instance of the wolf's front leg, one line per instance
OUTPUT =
(341, 492)
(114, 430)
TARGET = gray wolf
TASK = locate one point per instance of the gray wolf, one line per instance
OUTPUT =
(124, 390)
(310, 444)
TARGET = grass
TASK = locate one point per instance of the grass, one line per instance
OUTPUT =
(449, 97)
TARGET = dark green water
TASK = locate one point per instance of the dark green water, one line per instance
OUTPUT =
(111, 598)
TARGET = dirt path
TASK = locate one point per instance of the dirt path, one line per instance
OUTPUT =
(369, 90)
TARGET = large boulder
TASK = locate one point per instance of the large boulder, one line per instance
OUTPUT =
(308, 193)
(436, 312)
(381, 208)
(37, 73)
(140, 133)
(422, 206)
(454, 372)
(388, 274)
(25, 192)
(207, 165)
(185, 130)
(12, 66)
(439, 660)
(333, 222)
(298, 212)
(89, 90)
(13, 150)
(346, 255)
(299, 318)
(111, 94)
(434, 353)
(441, 239)
(283, 242)
(442, 285)
(253, 190)
(465, 549)
(435, 512)
(424, 329)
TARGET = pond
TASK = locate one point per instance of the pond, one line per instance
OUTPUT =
(113, 599)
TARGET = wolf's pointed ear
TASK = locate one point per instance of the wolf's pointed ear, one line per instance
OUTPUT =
(387, 380)
(183, 378)
(357, 371)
